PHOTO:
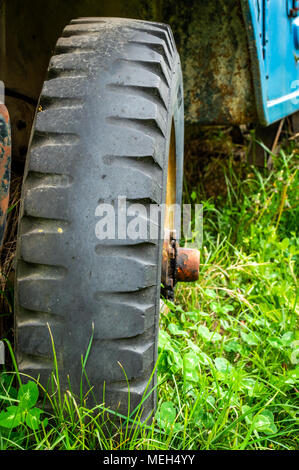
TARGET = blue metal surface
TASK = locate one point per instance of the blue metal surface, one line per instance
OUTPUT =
(273, 32)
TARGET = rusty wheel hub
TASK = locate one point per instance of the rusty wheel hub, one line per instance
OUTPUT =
(178, 264)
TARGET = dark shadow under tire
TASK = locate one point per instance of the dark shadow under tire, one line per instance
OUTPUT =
(102, 130)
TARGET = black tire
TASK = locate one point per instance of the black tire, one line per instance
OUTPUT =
(102, 130)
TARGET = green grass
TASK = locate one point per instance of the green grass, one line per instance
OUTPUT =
(230, 358)
(229, 346)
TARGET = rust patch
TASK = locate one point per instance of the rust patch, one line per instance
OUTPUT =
(212, 42)
(5, 163)
(187, 265)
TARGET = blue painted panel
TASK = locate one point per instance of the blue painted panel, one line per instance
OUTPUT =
(273, 31)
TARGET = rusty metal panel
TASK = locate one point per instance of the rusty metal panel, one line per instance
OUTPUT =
(210, 36)
(5, 159)
(212, 42)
